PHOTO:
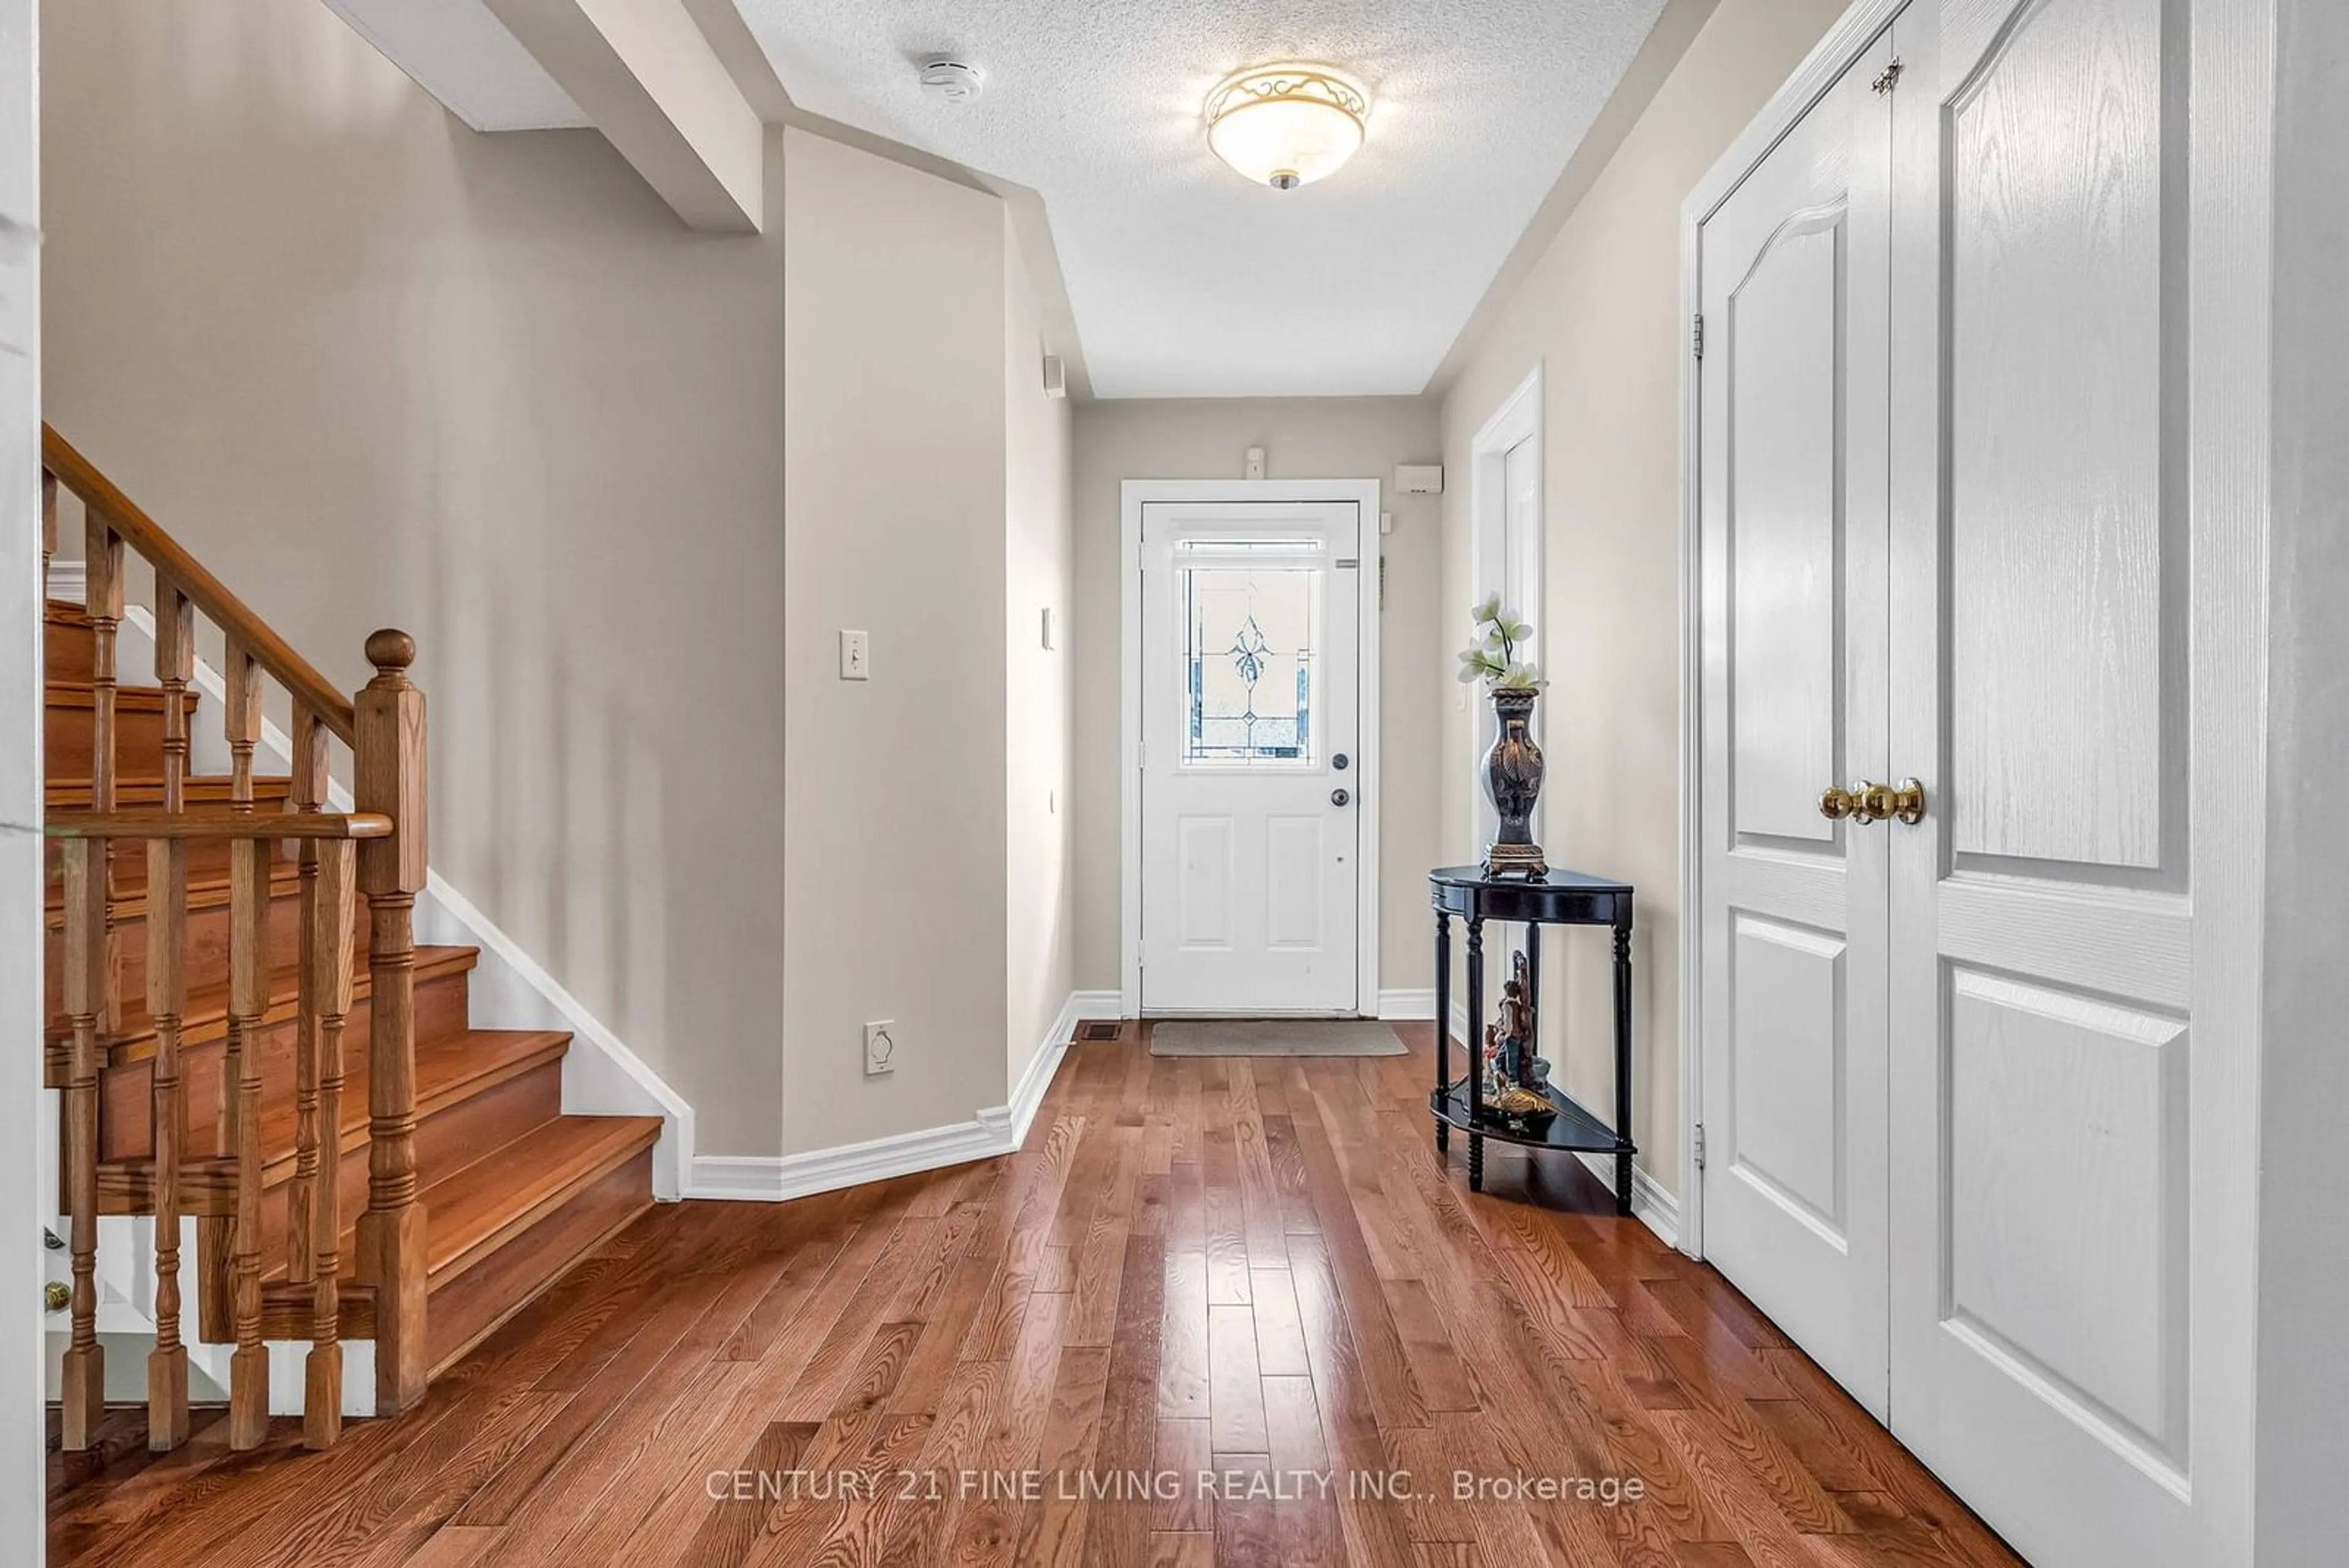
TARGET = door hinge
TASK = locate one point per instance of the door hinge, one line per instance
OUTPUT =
(1890, 79)
(1700, 1146)
(1141, 756)
(1696, 336)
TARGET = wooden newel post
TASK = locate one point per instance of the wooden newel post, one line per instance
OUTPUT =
(389, 777)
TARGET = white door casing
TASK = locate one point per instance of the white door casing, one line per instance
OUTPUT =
(1505, 558)
(1795, 276)
(2073, 1184)
(1250, 865)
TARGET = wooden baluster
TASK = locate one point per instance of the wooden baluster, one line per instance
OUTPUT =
(167, 999)
(175, 666)
(102, 559)
(309, 785)
(242, 724)
(329, 935)
(248, 922)
(48, 529)
(248, 1000)
(389, 777)
(83, 1395)
(167, 996)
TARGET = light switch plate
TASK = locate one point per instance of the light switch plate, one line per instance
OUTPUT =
(855, 656)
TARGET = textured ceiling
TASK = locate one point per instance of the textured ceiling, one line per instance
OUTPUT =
(1184, 279)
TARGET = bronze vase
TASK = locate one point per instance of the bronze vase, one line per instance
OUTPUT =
(1513, 779)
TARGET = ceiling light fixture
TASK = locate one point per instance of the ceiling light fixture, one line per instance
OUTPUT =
(1286, 126)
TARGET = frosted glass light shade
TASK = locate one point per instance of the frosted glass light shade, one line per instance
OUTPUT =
(1286, 126)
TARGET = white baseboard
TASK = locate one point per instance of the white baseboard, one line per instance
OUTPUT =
(1654, 1207)
(1402, 1006)
(993, 1132)
(1045, 1061)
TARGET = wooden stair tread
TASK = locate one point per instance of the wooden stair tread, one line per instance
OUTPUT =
(206, 1017)
(128, 698)
(447, 1070)
(204, 791)
(208, 882)
(470, 1212)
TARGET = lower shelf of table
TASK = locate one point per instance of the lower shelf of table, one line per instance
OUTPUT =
(1572, 1129)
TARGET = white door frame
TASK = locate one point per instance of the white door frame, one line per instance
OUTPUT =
(25, 1105)
(1849, 38)
(1132, 494)
(1517, 421)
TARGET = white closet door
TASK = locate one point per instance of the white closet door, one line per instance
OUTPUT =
(1794, 269)
(2072, 1160)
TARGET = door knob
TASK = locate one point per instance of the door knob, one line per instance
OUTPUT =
(1836, 802)
(1867, 801)
(1340, 797)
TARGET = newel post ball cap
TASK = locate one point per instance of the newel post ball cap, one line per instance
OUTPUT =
(390, 648)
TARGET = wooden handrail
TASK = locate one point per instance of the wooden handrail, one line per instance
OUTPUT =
(376, 852)
(271, 825)
(231, 614)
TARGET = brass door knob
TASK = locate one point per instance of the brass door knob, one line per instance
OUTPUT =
(1857, 802)
(1867, 801)
(56, 1295)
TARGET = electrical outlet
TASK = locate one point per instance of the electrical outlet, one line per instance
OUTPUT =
(855, 656)
(880, 1049)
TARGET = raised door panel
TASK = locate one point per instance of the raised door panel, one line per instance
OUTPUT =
(1203, 862)
(2057, 545)
(2064, 1177)
(1296, 910)
(1789, 1092)
(1785, 336)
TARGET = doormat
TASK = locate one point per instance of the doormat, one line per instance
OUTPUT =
(1274, 1037)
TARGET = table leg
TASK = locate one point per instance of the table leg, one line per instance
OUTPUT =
(1623, 1060)
(1442, 1025)
(1533, 969)
(1475, 1051)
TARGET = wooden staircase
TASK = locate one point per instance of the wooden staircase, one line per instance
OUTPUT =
(224, 954)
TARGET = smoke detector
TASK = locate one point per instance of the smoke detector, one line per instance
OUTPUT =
(956, 81)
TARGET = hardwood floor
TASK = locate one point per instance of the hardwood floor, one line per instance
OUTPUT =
(1253, 1269)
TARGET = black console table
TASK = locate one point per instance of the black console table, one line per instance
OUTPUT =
(1558, 898)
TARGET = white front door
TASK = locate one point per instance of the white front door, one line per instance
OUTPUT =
(1794, 280)
(2073, 1176)
(1250, 772)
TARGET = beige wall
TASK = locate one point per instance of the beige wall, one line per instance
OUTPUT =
(1039, 562)
(895, 439)
(1304, 438)
(1602, 315)
(626, 484)
(373, 368)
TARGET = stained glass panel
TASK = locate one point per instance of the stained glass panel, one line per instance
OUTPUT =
(1250, 633)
